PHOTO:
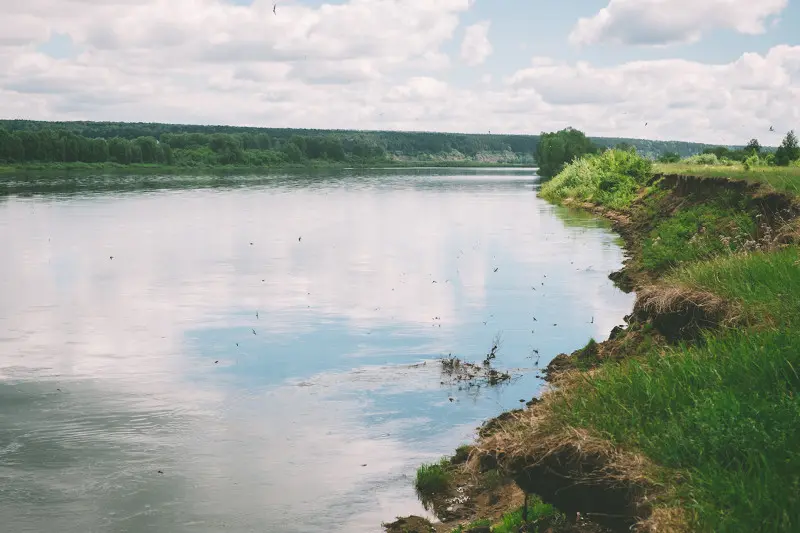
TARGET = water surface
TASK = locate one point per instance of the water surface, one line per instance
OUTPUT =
(260, 354)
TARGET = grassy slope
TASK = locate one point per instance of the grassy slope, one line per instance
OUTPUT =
(721, 415)
(785, 179)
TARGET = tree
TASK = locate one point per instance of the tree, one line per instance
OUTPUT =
(227, 148)
(669, 157)
(753, 148)
(119, 150)
(555, 150)
(99, 150)
(625, 147)
(149, 147)
(788, 151)
(293, 153)
(11, 148)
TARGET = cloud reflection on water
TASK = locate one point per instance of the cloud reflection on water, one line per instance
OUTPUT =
(274, 435)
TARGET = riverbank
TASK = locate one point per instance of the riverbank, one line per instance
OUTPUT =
(687, 417)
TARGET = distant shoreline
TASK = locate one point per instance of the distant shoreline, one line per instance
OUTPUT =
(143, 168)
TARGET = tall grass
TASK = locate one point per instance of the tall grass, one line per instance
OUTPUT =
(696, 233)
(433, 479)
(767, 284)
(726, 412)
(612, 178)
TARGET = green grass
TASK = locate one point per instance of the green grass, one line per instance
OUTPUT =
(697, 232)
(433, 479)
(537, 511)
(719, 417)
(511, 522)
(725, 412)
(767, 285)
(612, 179)
(785, 179)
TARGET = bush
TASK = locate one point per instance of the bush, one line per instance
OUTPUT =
(752, 162)
(669, 157)
(702, 159)
(612, 178)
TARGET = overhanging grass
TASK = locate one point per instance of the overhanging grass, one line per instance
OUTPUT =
(726, 412)
(720, 418)
(766, 284)
(785, 179)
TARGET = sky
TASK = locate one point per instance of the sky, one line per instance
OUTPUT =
(716, 71)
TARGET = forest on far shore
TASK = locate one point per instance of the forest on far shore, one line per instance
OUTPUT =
(25, 141)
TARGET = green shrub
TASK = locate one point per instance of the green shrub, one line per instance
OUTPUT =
(433, 479)
(612, 178)
(702, 159)
(752, 162)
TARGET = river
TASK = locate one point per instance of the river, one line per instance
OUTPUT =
(262, 355)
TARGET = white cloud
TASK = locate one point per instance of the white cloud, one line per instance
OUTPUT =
(677, 99)
(663, 22)
(476, 46)
(214, 62)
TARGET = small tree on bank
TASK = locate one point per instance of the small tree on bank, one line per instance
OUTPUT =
(753, 148)
(788, 151)
(555, 150)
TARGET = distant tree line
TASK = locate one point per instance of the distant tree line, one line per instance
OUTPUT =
(48, 145)
(23, 141)
(20, 141)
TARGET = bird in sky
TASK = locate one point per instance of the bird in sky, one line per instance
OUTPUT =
(771, 128)
(274, 9)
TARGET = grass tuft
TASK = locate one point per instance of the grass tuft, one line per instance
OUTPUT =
(433, 479)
